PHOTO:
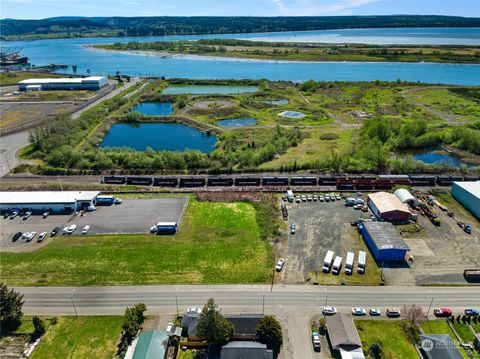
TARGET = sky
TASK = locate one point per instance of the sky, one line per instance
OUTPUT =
(39, 9)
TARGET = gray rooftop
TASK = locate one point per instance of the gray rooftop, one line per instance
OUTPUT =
(245, 350)
(385, 235)
(342, 332)
(442, 347)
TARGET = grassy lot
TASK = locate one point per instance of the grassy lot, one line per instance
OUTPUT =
(464, 331)
(54, 96)
(453, 205)
(81, 337)
(218, 243)
(188, 354)
(12, 78)
(389, 335)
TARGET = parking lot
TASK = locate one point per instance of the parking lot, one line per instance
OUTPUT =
(132, 216)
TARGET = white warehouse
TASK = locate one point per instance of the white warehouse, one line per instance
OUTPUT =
(54, 202)
(77, 83)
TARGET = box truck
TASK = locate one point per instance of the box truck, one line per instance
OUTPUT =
(290, 196)
(362, 261)
(349, 263)
(337, 265)
(327, 262)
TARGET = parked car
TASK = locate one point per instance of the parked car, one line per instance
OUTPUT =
(292, 228)
(374, 312)
(393, 312)
(14, 214)
(321, 198)
(315, 198)
(467, 229)
(71, 229)
(65, 230)
(42, 236)
(25, 235)
(338, 197)
(27, 215)
(443, 312)
(118, 200)
(280, 264)
(31, 236)
(332, 197)
(304, 198)
(170, 328)
(85, 229)
(6, 214)
(359, 311)
(309, 198)
(472, 311)
(284, 198)
(45, 214)
(297, 199)
(329, 310)
(55, 231)
(316, 341)
(194, 310)
(16, 236)
(327, 198)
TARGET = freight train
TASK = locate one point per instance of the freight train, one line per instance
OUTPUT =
(341, 182)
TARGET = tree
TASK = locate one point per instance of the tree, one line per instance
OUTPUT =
(212, 325)
(39, 326)
(11, 304)
(269, 332)
(413, 316)
(375, 351)
(322, 325)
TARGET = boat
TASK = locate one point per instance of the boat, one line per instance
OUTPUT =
(10, 57)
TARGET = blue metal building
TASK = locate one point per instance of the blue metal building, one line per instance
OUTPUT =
(468, 194)
(383, 240)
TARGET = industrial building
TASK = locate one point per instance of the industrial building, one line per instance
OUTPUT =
(468, 194)
(406, 197)
(388, 207)
(383, 240)
(93, 83)
(344, 337)
(54, 202)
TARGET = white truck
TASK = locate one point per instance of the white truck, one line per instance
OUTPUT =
(337, 265)
(362, 261)
(349, 263)
(290, 196)
(327, 262)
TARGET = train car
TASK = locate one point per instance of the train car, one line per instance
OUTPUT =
(275, 181)
(421, 180)
(247, 181)
(383, 183)
(345, 183)
(220, 182)
(113, 179)
(444, 180)
(471, 178)
(329, 180)
(192, 182)
(303, 181)
(364, 182)
(165, 182)
(403, 180)
(139, 181)
(457, 178)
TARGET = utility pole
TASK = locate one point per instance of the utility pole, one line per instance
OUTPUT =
(176, 300)
(60, 182)
(326, 297)
(429, 307)
(73, 304)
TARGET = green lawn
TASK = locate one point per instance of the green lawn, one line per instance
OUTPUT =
(218, 243)
(12, 78)
(441, 327)
(389, 335)
(464, 331)
(80, 338)
(188, 354)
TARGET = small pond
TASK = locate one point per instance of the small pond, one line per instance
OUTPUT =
(282, 101)
(160, 137)
(237, 122)
(292, 114)
(440, 157)
(208, 89)
(154, 108)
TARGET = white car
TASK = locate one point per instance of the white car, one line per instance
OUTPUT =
(85, 229)
(321, 198)
(31, 236)
(91, 208)
(65, 230)
(315, 198)
(359, 311)
(304, 198)
(26, 235)
(280, 264)
(309, 198)
(337, 197)
(42, 236)
(169, 328)
(71, 229)
(118, 200)
(297, 199)
(194, 310)
(329, 310)
(374, 312)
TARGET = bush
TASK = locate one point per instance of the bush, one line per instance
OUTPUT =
(329, 136)
(39, 326)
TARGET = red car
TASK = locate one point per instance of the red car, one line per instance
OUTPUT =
(443, 312)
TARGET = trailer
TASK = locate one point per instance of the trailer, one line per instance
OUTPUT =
(113, 179)
(220, 182)
(327, 262)
(337, 265)
(165, 182)
(349, 263)
(105, 200)
(362, 262)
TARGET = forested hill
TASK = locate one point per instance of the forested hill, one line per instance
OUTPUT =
(11, 29)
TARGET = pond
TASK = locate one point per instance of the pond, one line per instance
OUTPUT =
(208, 89)
(154, 108)
(237, 122)
(282, 101)
(292, 114)
(439, 157)
(160, 137)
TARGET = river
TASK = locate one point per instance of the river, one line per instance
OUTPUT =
(75, 52)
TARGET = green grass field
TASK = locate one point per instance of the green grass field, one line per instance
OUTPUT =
(389, 335)
(80, 338)
(12, 78)
(218, 243)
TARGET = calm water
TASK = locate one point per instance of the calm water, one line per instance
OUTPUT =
(201, 90)
(276, 102)
(154, 108)
(292, 114)
(159, 136)
(434, 157)
(237, 122)
(74, 52)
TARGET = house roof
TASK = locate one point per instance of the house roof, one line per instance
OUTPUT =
(387, 202)
(245, 324)
(385, 235)
(245, 350)
(151, 345)
(342, 332)
(439, 346)
(46, 197)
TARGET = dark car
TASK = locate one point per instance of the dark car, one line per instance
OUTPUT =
(55, 231)
(16, 236)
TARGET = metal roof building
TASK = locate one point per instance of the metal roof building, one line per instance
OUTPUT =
(53, 201)
(343, 336)
(388, 207)
(468, 194)
(151, 345)
(406, 197)
(76, 83)
(245, 350)
(439, 346)
(384, 241)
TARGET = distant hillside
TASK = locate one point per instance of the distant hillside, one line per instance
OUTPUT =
(11, 29)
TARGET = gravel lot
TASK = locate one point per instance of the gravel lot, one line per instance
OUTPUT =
(132, 216)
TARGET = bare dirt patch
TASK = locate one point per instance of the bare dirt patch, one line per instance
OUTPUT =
(213, 104)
